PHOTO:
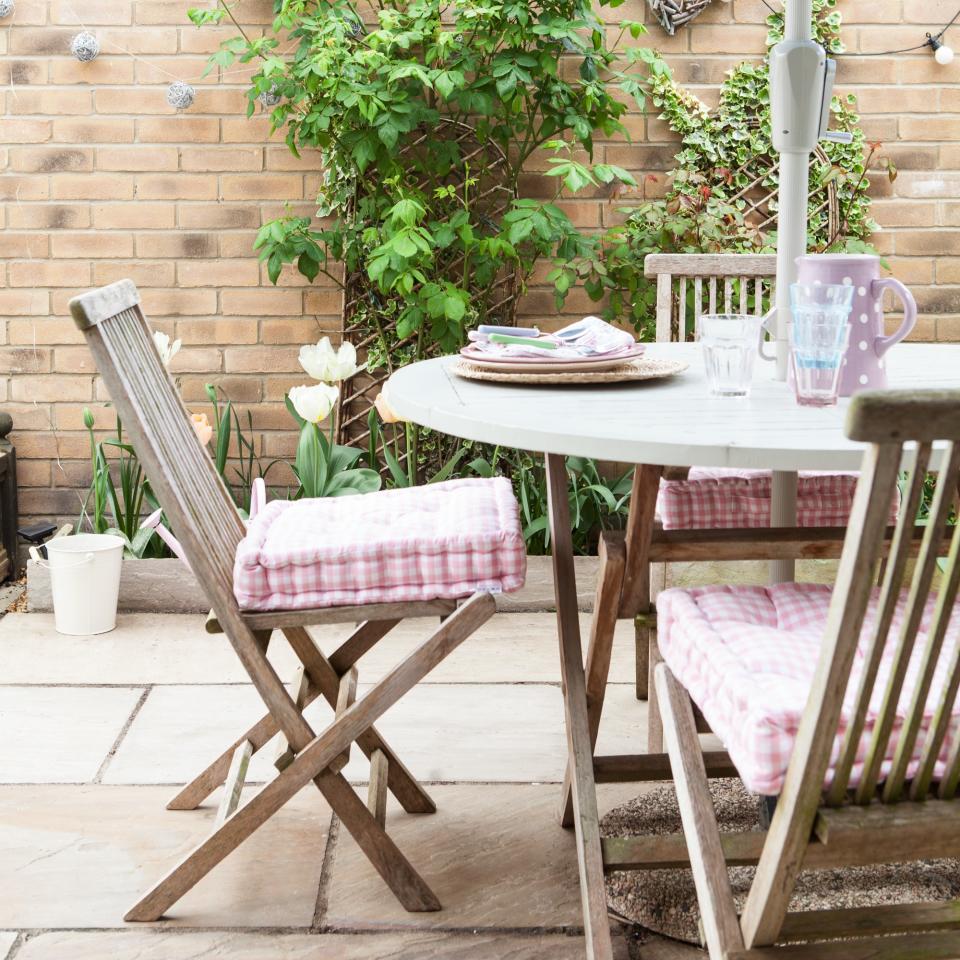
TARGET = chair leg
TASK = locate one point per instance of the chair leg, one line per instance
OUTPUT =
(645, 629)
(325, 681)
(654, 718)
(658, 583)
(717, 907)
(641, 635)
(312, 762)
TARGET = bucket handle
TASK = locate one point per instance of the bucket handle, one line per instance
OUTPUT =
(46, 565)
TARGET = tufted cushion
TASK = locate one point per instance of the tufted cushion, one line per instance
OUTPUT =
(441, 541)
(747, 656)
(716, 498)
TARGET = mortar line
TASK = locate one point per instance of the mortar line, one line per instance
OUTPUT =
(102, 769)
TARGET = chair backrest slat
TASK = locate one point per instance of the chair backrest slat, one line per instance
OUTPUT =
(924, 428)
(681, 309)
(735, 271)
(697, 305)
(933, 744)
(886, 609)
(947, 788)
(944, 503)
(921, 583)
(180, 470)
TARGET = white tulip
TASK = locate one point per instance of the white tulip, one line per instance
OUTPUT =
(314, 403)
(165, 348)
(324, 363)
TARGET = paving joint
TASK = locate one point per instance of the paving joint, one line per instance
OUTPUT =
(111, 753)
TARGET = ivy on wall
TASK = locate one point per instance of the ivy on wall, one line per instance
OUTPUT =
(722, 194)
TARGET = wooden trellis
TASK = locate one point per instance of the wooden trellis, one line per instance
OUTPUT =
(366, 321)
(760, 193)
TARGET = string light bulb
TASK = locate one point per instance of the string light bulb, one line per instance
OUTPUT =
(942, 53)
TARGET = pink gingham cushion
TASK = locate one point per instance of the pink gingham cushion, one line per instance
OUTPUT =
(716, 498)
(441, 541)
(747, 655)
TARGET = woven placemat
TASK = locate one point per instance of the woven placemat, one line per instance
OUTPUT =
(665, 901)
(642, 369)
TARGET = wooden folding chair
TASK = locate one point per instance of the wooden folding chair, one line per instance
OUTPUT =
(875, 763)
(689, 285)
(209, 529)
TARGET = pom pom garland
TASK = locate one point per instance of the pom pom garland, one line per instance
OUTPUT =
(85, 47)
(270, 98)
(180, 95)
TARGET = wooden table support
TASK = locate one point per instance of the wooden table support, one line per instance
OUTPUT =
(583, 792)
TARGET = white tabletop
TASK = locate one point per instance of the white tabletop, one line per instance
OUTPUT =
(673, 422)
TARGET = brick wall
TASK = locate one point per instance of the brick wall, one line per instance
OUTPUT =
(102, 180)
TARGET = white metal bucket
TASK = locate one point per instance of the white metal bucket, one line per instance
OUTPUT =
(85, 582)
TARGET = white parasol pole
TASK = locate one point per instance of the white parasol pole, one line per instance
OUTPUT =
(797, 75)
(796, 92)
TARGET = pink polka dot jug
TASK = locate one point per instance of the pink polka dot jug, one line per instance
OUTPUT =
(865, 366)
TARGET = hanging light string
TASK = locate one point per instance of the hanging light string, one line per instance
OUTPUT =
(932, 39)
(116, 48)
(929, 42)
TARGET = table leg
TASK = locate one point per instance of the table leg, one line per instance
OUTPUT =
(606, 611)
(783, 513)
(580, 750)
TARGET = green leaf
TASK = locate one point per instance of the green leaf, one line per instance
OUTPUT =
(223, 440)
(454, 308)
(292, 410)
(310, 462)
(308, 266)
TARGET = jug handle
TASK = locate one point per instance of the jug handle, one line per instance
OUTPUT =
(883, 344)
(761, 344)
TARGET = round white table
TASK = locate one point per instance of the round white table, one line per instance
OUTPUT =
(673, 422)
(657, 423)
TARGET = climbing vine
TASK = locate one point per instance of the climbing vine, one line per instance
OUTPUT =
(722, 194)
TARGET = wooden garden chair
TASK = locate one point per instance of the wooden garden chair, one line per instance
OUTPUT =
(842, 704)
(689, 285)
(210, 532)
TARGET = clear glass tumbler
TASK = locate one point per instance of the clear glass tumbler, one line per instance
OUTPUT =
(817, 355)
(824, 307)
(819, 335)
(729, 342)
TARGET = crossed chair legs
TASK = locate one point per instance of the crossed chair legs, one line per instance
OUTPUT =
(308, 756)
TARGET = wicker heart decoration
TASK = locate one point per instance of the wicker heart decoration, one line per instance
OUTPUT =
(675, 13)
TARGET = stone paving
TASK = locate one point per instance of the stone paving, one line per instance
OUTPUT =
(97, 731)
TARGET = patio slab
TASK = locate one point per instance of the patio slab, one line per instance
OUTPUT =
(443, 732)
(494, 855)
(7, 939)
(60, 734)
(80, 857)
(174, 648)
(277, 946)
